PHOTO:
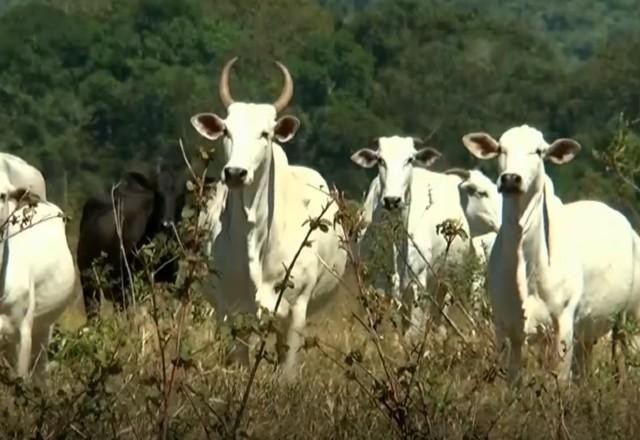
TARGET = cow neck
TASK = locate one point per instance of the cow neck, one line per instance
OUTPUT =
(401, 248)
(525, 227)
(248, 215)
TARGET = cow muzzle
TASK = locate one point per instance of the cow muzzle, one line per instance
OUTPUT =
(391, 203)
(235, 176)
(510, 183)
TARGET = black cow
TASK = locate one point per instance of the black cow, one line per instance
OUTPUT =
(148, 204)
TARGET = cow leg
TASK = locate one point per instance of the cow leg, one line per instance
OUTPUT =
(407, 309)
(39, 355)
(438, 306)
(586, 339)
(238, 350)
(23, 355)
(564, 330)
(90, 297)
(295, 337)
(509, 348)
(417, 321)
(395, 286)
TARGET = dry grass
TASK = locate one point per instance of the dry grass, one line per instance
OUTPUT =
(105, 383)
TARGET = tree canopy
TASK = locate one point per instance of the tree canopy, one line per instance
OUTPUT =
(89, 87)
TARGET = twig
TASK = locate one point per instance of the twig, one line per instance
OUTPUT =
(186, 161)
(117, 219)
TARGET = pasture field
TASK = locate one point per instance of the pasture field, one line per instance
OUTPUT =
(125, 377)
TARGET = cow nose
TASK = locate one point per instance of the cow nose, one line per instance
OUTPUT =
(510, 182)
(391, 202)
(235, 175)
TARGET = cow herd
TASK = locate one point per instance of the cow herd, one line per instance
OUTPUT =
(570, 268)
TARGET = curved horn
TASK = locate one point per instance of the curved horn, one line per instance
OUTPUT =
(460, 172)
(417, 141)
(225, 94)
(287, 89)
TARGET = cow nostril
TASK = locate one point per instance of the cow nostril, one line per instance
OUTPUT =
(510, 182)
(235, 173)
(391, 202)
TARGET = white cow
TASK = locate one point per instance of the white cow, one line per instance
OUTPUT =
(423, 199)
(37, 276)
(482, 205)
(22, 175)
(262, 225)
(579, 260)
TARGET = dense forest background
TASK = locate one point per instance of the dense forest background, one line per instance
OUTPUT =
(90, 87)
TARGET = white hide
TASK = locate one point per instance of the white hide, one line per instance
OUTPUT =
(22, 175)
(210, 217)
(262, 224)
(423, 199)
(38, 276)
(482, 206)
(579, 260)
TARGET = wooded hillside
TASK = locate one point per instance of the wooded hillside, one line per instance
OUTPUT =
(88, 87)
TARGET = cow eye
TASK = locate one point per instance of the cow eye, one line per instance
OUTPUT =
(410, 160)
(382, 162)
(264, 134)
(483, 194)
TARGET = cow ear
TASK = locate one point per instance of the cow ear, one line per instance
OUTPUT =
(24, 197)
(139, 179)
(562, 150)
(286, 128)
(426, 156)
(209, 125)
(365, 157)
(481, 145)
(469, 188)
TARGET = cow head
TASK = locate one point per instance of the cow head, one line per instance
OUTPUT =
(395, 157)
(521, 152)
(169, 193)
(166, 184)
(13, 199)
(248, 129)
(480, 201)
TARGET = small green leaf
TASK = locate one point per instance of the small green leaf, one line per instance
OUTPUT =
(188, 212)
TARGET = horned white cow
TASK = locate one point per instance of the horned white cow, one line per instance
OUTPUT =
(423, 199)
(37, 275)
(22, 175)
(579, 260)
(262, 224)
